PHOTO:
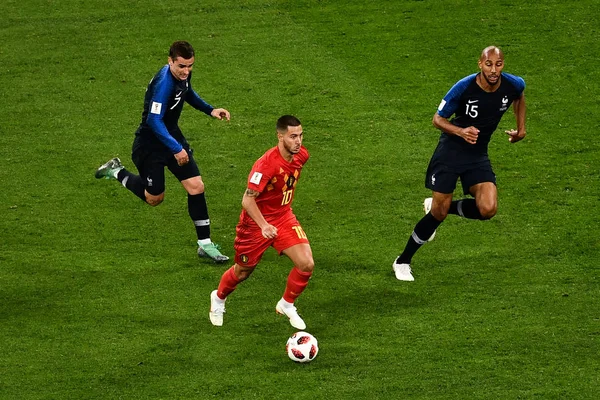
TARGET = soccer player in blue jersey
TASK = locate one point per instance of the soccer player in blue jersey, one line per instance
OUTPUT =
(159, 143)
(477, 102)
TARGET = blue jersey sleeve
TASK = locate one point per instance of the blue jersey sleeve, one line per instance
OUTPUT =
(162, 89)
(451, 100)
(516, 81)
(197, 102)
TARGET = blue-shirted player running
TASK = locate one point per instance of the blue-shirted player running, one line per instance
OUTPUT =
(477, 102)
(159, 143)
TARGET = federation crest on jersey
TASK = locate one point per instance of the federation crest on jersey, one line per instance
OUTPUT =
(504, 106)
(290, 182)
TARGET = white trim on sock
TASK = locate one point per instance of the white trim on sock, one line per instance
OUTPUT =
(459, 208)
(417, 239)
(202, 222)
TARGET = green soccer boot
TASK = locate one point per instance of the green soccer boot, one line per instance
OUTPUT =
(110, 169)
(211, 250)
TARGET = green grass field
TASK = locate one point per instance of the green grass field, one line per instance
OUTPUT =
(102, 297)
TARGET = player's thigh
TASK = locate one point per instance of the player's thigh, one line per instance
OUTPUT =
(249, 245)
(292, 241)
(301, 255)
(486, 198)
(472, 176)
(440, 177)
(151, 167)
(186, 172)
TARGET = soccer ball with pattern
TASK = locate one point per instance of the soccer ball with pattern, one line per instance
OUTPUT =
(302, 347)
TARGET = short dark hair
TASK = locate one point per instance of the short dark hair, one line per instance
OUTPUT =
(181, 49)
(285, 121)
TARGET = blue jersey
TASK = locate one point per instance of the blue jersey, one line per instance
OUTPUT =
(472, 106)
(163, 103)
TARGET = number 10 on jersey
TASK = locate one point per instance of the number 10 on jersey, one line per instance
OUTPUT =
(287, 196)
(299, 231)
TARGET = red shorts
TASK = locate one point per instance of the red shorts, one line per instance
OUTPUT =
(250, 245)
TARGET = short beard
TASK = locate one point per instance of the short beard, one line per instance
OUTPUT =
(490, 83)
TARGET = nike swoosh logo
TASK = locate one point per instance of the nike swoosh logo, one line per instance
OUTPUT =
(472, 101)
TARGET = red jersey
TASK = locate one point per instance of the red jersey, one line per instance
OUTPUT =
(275, 179)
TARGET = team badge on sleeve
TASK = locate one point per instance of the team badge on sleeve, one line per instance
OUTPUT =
(256, 178)
(156, 107)
(442, 104)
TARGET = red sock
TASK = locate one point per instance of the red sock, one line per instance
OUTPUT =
(296, 283)
(228, 284)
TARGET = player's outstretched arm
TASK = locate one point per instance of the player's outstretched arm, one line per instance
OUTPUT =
(520, 111)
(249, 204)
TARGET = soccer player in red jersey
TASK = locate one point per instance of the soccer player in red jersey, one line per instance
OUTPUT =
(267, 220)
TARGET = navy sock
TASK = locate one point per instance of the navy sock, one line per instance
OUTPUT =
(199, 214)
(466, 208)
(423, 231)
(132, 182)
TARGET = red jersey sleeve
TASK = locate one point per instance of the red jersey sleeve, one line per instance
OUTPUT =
(261, 173)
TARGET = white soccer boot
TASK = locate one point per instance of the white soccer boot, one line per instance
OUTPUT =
(217, 309)
(427, 207)
(287, 309)
(403, 272)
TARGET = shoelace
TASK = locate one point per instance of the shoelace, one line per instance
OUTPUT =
(219, 309)
(213, 245)
(290, 308)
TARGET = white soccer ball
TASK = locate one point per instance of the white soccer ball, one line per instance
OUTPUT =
(302, 347)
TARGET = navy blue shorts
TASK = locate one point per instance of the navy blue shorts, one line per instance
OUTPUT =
(442, 177)
(151, 167)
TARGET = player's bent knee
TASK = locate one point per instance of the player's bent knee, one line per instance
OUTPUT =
(196, 190)
(154, 200)
(194, 185)
(439, 214)
(487, 212)
(242, 273)
(307, 265)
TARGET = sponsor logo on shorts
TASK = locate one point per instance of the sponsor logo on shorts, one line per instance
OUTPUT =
(149, 180)
(433, 180)
(244, 258)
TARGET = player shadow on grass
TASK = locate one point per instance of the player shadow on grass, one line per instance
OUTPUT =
(359, 292)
